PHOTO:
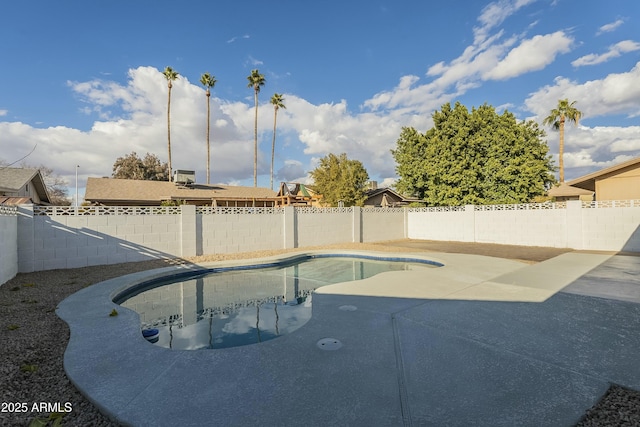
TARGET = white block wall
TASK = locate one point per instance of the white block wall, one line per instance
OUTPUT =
(525, 227)
(229, 233)
(456, 226)
(576, 227)
(62, 239)
(8, 244)
(611, 229)
(383, 224)
(324, 228)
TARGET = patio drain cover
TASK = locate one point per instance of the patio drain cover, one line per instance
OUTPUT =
(329, 344)
(348, 308)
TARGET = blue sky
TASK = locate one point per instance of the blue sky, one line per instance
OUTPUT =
(83, 84)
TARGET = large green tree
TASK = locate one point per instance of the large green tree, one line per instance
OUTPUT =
(208, 81)
(256, 81)
(278, 102)
(477, 157)
(556, 119)
(339, 179)
(133, 167)
(170, 75)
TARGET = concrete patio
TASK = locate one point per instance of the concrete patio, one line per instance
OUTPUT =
(480, 341)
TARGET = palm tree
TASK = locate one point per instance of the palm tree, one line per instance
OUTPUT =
(208, 81)
(170, 75)
(564, 111)
(278, 102)
(255, 81)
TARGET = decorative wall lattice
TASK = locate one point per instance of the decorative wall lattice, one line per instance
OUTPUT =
(522, 207)
(312, 210)
(106, 210)
(438, 209)
(612, 204)
(8, 210)
(208, 210)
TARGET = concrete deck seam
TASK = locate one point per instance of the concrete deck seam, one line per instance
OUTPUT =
(505, 350)
(149, 384)
(402, 383)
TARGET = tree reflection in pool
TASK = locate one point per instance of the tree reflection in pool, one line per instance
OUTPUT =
(248, 306)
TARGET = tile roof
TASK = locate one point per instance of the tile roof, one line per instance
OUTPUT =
(12, 179)
(132, 190)
(588, 181)
(565, 190)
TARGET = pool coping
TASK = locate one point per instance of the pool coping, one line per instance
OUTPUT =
(133, 381)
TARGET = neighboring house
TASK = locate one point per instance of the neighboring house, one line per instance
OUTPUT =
(22, 186)
(386, 197)
(296, 194)
(132, 192)
(618, 182)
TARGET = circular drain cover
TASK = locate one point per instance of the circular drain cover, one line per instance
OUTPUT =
(348, 308)
(329, 344)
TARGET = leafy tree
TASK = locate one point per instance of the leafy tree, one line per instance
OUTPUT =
(339, 179)
(278, 102)
(133, 167)
(170, 75)
(556, 119)
(56, 186)
(256, 80)
(476, 157)
(208, 81)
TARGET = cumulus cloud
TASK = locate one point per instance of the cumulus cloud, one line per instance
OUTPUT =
(3, 112)
(131, 116)
(607, 28)
(614, 51)
(617, 93)
(491, 56)
(531, 55)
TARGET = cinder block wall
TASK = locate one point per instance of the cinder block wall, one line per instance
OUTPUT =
(323, 226)
(382, 224)
(589, 227)
(61, 238)
(8, 243)
(244, 232)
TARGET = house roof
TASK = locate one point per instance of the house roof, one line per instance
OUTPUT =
(588, 182)
(13, 179)
(133, 190)
(565, 190)
(375, 192)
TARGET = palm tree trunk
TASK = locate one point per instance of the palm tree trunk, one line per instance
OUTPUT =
(169, 131)
(208, 127)
(561, 150)
(255, 144)
(273, 142)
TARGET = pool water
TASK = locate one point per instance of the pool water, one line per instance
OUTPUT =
(244, 306)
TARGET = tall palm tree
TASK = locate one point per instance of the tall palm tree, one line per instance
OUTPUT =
(170, 75)
(563, 112)
(256, 80)
(208, 81)
(278, 102)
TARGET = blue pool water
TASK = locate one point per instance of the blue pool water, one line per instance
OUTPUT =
(229, 307)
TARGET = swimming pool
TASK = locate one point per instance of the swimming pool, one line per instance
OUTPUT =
(234, 306)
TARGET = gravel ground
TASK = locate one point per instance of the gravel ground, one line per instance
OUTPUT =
(34, 339)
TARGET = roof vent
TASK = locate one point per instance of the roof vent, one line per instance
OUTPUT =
(184, 177)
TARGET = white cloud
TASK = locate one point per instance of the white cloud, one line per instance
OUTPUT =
(488, 57)
(531, 55)
(617, 93)
(607, 28)
(3, 112)
(132, 117)
(614, 51)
